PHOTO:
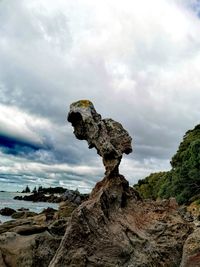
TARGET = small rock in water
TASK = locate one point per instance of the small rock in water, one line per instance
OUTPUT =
(7, 211)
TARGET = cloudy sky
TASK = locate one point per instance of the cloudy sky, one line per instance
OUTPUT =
(137, 61)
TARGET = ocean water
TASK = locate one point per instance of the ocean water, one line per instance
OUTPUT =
(6, 200)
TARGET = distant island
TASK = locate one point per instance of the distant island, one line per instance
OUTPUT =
(43, 190)
(52, 195)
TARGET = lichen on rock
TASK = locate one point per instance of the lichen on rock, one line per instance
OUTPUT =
(109, 137)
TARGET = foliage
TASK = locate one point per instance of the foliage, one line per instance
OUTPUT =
(149, 187)
(183, 180)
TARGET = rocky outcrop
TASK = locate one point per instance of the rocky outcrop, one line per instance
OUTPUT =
(109, 138)
(116, 228)
(32, 241)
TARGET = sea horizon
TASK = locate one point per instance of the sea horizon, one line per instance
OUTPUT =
(7, 200)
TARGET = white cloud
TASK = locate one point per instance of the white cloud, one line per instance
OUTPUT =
(138, 61)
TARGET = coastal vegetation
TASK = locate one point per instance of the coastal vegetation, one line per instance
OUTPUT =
(183, 180)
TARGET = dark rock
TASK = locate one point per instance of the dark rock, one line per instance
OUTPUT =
(7, 211)
(18, 198)
(109, 138)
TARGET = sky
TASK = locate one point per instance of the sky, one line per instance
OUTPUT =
(137, 61)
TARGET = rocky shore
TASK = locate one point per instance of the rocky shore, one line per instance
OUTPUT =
(114, 227)
(32, 239)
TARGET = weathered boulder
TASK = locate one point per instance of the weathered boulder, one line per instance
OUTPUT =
(109, 138)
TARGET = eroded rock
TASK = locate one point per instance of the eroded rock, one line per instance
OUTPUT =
(109, 137)
(115, 228)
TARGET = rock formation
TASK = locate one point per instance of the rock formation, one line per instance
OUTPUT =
(109, 138)
(114, 227)
(33, 241)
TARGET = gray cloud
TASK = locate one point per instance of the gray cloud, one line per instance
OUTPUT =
(138, 61)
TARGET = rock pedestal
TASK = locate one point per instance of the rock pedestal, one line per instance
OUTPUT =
(109, 138)
(116, 228)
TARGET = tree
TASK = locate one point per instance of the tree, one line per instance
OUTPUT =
(183, 180)
(34, 190)
(26, 190)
